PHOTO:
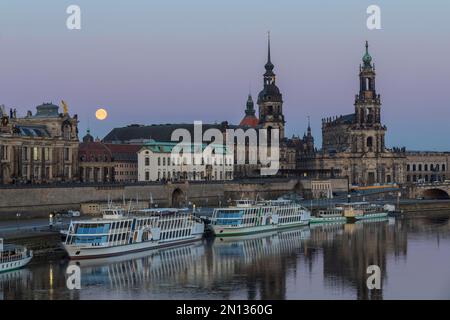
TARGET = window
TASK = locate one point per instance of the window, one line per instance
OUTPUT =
(66, 154)
(36, 154)
(46, 154)
(147, 161)
(4, 152)
(420, 167)
(159, 161)
(369, 142)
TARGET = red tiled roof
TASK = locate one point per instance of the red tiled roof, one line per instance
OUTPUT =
(249, 121)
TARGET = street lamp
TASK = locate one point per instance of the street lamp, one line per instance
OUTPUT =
(50, 221)
(17, 216)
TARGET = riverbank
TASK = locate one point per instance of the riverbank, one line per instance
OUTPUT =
(421, 206)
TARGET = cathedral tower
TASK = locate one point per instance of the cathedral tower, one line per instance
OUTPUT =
(368, 108)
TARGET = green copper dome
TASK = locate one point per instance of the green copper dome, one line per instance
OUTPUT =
(367, 59)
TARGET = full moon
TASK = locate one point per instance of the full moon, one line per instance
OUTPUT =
(101, 114)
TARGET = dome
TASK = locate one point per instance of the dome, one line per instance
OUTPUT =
(249, 121)
(47, 110)
(270, 92)
(88, 137)
(367, 58)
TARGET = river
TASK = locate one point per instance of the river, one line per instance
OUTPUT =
(327, 261)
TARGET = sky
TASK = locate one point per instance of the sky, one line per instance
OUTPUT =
(169, 61)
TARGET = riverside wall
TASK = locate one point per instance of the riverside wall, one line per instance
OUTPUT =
(34, 201)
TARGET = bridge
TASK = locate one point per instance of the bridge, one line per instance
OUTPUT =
(429, 191)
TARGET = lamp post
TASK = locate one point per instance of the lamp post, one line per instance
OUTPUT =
(50, 221)
(17, 218)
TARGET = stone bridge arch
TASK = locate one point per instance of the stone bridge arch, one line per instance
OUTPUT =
(178, 198)
(435, 194)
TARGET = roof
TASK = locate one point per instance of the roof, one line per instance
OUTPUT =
(47, 110)
(124, 152)
(167, 147)
(345, 119)
(33, 131)
(93, 150)
(249, 121)
(156, 132)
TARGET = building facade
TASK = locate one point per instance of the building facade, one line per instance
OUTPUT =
(158, 162)
(427, 166)
(40, 147)
(102, 162)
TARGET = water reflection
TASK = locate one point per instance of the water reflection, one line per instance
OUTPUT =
(321, 261)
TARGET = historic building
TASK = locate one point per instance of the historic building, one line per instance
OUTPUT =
(158, 162)
(427, 166)
(354, 144)
(102, 162)
(40, 147)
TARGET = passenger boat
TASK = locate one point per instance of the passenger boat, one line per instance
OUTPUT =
(333, 214)
(250, 217)
(13, 257)
(363, 210)
(117, 233)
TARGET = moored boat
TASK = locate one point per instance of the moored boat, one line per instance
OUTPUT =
(248, 217)
(117, 233)
(13, 256)
(363, 210)
(329, 215)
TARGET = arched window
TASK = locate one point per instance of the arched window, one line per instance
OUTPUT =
(369, 142)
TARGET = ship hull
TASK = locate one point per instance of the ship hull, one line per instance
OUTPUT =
(78, 252)
(230, 232)
(13, 265)
(327, 220)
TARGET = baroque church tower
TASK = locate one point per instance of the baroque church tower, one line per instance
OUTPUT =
(368, 110)
(270, 100)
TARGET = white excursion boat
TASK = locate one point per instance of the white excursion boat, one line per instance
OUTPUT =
(118, 233)
(13, 257)
(250, 217)
(363, 210)
(329, 215)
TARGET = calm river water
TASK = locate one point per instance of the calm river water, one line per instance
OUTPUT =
(317, 262)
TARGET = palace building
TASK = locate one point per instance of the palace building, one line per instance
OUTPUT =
(40, 147)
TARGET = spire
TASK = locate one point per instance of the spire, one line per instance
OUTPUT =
(269, 65)
(367, 59)
(250, 110)
(309, 126)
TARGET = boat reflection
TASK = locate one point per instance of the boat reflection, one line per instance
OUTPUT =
(199, 266)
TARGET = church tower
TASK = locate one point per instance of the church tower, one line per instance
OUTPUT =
(368, 107)
(270, 100)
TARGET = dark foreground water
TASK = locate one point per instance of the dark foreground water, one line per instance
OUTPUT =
(323, 261)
